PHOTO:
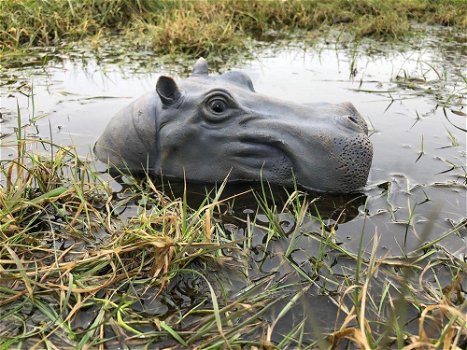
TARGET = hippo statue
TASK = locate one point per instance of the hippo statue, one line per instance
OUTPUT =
(211, 128)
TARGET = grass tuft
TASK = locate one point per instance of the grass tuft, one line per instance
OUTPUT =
(206, 27)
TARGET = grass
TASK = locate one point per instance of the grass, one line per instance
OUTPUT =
(48, 202)
(84, 266)
(207, 28)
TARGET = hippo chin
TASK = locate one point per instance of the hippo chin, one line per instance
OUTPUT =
(209, 128)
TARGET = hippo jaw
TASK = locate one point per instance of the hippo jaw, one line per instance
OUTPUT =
(208, 129)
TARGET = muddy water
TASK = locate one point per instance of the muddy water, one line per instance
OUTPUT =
(412, 98)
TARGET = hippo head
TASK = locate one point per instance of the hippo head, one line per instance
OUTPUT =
(207, 129)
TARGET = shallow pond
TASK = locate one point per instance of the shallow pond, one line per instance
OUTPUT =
(412, 96)
(412, 99)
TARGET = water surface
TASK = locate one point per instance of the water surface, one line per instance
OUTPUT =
(411, 95)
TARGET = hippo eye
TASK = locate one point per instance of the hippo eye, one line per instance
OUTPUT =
(217, 106)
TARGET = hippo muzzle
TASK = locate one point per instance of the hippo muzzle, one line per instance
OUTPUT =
(209, 129)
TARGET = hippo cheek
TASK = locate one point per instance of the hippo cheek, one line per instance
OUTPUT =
(259, 161)
(195, 156)
(353, 161)
(350, 163)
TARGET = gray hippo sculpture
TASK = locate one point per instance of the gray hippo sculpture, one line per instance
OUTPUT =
(209, 128)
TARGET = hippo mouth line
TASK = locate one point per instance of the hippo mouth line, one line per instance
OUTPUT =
(260, 155)
(257, 149)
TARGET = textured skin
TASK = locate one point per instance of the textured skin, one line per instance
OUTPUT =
(208, 128)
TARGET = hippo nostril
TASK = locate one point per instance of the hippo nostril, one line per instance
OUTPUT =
(351, 122)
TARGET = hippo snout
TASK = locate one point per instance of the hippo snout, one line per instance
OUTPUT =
(326, 146)
(338, 165)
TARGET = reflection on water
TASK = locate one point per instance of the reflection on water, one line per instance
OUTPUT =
(241, 199)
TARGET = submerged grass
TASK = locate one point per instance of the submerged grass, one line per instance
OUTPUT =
(209, 28)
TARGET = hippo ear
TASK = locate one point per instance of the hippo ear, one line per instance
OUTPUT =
(200, 67)
(167, 90)
(238, 78)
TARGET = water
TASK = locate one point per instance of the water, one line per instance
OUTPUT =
(419, 155)
(412, 97)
